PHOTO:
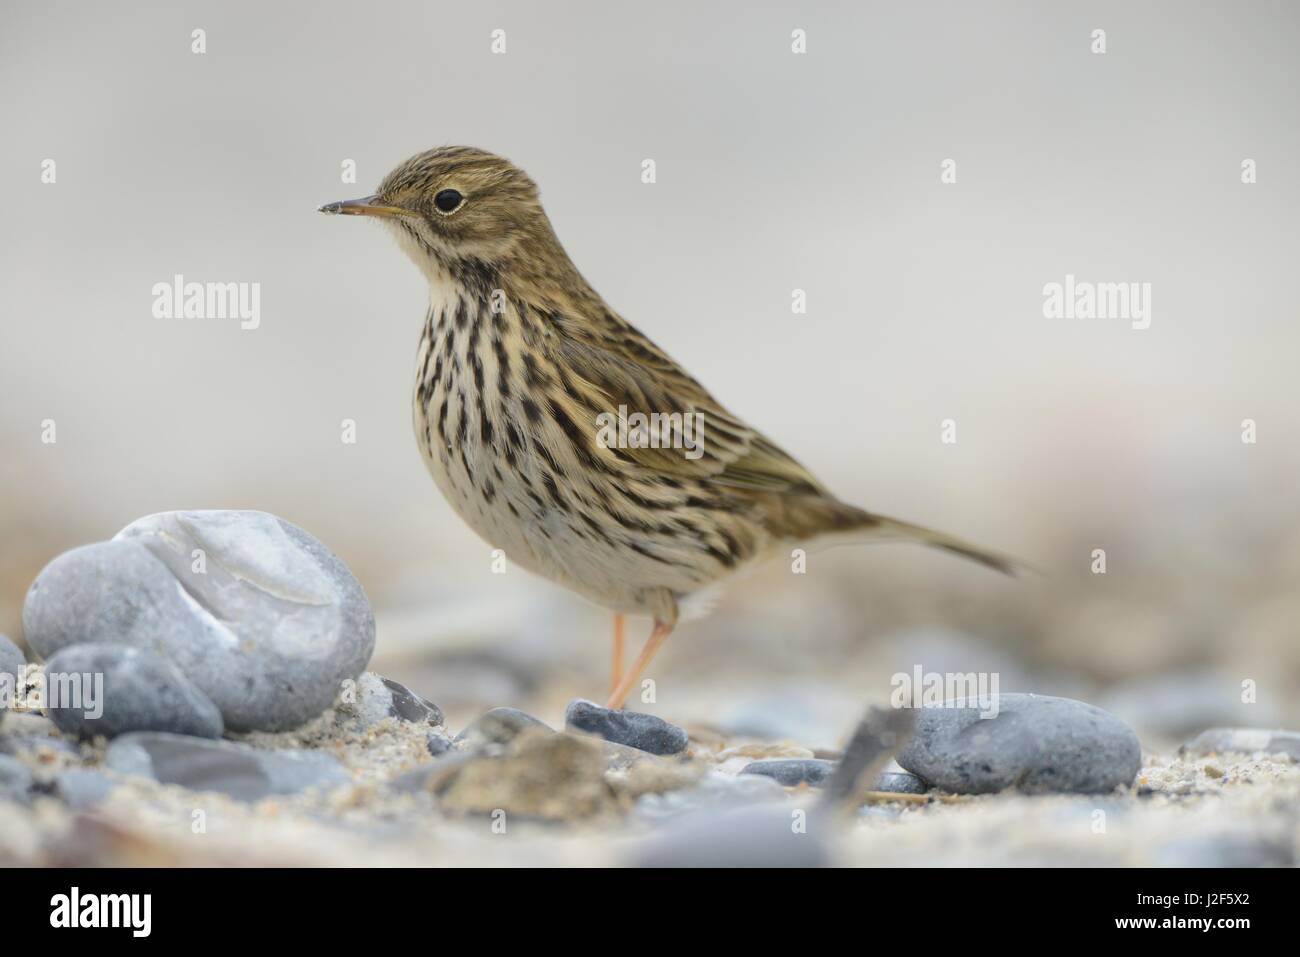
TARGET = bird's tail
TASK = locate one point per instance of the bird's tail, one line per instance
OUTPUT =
(813, 518)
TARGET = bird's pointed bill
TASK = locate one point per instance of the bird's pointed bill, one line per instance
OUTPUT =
(366, 206)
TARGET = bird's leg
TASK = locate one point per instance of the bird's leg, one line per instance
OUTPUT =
(616, 671)
(625, 685)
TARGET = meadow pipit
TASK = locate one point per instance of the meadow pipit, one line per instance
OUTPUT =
(521, 362)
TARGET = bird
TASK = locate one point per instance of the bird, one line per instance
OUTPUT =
(521, 370)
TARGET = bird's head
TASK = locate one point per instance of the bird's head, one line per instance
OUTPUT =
(455, 206)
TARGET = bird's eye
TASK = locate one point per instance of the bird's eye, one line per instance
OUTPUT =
(447, 200)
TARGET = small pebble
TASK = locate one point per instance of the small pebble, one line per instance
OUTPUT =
(244, 773)
(409, 706)
(378, 698)
(632, 728)
(132, 690)
(792, 772)
(899, 782)
(82, 790)
(1037, 743)
(1245, 741)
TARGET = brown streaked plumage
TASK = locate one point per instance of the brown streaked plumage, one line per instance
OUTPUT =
(518, 358)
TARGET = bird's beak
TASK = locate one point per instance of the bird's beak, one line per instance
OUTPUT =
(367, 206)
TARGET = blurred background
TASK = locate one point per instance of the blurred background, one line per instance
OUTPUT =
(775, 172)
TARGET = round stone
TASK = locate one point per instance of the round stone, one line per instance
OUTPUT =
(261, 616)
(1036, 743)
(644, 732)
(113, 689)
(791, 772)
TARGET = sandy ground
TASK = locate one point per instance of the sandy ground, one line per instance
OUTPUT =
(782, 670)
(1231, 809)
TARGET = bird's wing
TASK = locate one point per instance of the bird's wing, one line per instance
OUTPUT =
(615, 365)
(619, 367)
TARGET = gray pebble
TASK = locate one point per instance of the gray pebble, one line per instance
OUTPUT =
(632, 728)
(243, 773)
(437, 743)
(378, 698)
(899, 782)
(791, 772)
(1036, 743)
(12, 661)
(132, 690)
(498, 726)
(1245, 741)
(409, 706)
(11, 667)
(15, 779)
(82, 790)
(256, 612)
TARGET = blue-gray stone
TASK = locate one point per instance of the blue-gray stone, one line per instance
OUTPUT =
(791, 772)
(12, 663)
(252, 609)
(243, 773)
(82, 790)
(899, 782)
(1036, 743)
(644, 732)
(132, 690)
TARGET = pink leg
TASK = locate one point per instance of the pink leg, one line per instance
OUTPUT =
(625, 685)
